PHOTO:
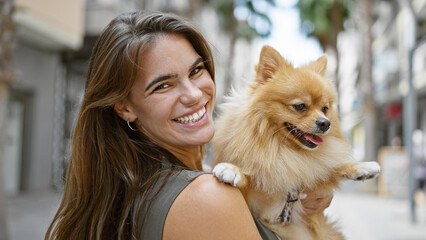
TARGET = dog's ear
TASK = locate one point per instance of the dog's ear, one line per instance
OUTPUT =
(319, 66)
(269, 62)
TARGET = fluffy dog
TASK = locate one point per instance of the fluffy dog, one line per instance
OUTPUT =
(282, 136)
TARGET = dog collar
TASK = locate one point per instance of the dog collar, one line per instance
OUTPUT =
(285, 216)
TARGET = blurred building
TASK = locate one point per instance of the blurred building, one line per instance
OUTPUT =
(54, 43)
(399, 29)
(399, 54)
(44, 29)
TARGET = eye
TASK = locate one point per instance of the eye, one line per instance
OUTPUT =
(300, 107)
(324, 109)
(161, 87)
(196, 70)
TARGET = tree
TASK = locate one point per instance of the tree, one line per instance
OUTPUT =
(241, 28)
(6, 77)
(324, 20)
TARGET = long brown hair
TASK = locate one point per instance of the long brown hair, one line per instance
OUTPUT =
(112, 167)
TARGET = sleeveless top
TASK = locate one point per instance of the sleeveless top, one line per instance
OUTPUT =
(152, 229)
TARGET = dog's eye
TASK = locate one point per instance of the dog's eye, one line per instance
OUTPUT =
(324, 109)
(300, 107)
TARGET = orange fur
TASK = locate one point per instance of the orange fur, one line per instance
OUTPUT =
(250, 134)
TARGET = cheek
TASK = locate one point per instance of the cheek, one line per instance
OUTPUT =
(154, 112)
(207, 84)
(210, 92)
(211, 89)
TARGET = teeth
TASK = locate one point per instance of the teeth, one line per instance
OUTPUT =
(192, 118)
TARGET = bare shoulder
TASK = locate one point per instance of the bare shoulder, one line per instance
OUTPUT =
(208, 209)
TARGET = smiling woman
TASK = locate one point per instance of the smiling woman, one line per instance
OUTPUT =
(154, 73)
(136, 166)
(171, 89)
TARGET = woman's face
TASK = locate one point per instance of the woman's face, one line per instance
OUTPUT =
(173, 95)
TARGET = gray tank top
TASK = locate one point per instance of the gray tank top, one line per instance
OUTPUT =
(152, 229)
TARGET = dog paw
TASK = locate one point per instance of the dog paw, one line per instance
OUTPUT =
(366, 170)
(227, 173)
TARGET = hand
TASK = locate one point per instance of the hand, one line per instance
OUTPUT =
(315, 202)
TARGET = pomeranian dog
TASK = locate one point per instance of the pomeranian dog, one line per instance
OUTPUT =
(280, 137)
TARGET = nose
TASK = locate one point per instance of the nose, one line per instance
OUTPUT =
(323, 124)
(191, 93)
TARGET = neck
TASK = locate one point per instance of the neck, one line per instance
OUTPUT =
(191, 157)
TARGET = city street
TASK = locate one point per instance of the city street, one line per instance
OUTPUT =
(361, 216)
(67, 65)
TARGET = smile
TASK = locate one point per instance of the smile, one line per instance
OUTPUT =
(307, 139)
(192, 118)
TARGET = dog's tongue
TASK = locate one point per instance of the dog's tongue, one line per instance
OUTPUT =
(314, 138)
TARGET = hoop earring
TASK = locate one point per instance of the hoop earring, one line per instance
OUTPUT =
(128, 124)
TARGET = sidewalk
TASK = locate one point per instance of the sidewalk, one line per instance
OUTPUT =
(360, 216)
(29, 215)
(369, 217)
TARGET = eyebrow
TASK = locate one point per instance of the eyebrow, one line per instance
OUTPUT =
(168, 76)
(198, 61)
(160, 79)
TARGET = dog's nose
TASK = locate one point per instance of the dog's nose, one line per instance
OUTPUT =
(323, 124)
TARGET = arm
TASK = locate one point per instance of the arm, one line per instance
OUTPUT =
(208, 209)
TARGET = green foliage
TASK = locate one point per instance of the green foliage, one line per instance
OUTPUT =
(243, 28)
(324, 19)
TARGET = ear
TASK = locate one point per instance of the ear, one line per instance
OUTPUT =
(319, 66)
(269, 62)
(124, 111)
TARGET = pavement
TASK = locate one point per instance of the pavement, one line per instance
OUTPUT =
(359, 215)
(369, 217)
(29, 214)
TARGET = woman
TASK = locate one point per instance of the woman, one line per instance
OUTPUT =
(136, 166)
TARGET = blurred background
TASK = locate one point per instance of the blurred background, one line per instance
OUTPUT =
(376, 53)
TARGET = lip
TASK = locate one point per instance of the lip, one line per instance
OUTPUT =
(309, 140)
(200, 122)
(192, 111)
